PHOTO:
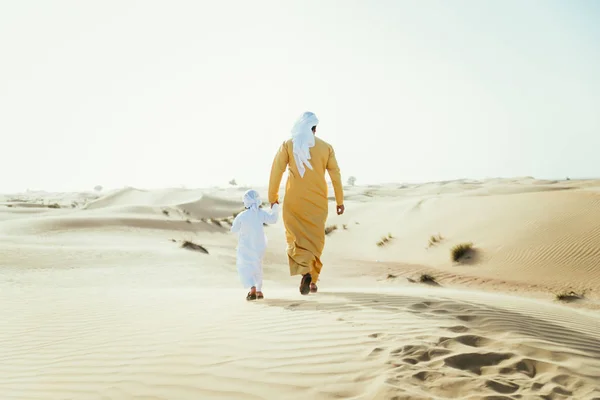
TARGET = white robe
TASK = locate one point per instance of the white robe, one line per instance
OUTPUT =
(252, 243)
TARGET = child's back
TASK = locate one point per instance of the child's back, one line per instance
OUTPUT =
(252, 242)
(249, 224)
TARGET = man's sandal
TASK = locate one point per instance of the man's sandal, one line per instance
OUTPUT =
(305, 284)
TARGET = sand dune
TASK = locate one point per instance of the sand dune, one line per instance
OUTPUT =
(99, 301)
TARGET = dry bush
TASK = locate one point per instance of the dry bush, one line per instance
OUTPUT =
(187, 244)
(384, 240)
(435, 239)
(55, 205)
(330, 229)
(568, 296)
(461, 250)
(228, 221)
(426, 278)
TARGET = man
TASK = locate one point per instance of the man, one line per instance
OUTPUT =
(305, 206)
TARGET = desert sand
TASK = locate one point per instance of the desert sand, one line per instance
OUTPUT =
(100, 301)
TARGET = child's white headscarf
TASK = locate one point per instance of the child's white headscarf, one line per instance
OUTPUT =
(303, 139)
(252, 199)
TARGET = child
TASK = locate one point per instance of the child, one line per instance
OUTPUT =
(252, 242)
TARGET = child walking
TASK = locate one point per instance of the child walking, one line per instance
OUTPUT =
(252, 242)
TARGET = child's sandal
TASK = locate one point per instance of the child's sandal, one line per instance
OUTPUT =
(260, 296)
(251, 296)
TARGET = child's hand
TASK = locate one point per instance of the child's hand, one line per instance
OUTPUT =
(272, 204)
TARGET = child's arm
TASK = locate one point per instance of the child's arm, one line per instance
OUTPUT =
(271, 217)
(236, 224)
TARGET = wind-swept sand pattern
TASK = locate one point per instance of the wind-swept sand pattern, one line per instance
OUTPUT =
(99, 301)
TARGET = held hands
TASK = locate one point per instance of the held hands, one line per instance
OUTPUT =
(272, 204)
(340, 209)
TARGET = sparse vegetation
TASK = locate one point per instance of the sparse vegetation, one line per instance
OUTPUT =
(460, 251)
(166, 212)
(98, 188)
(187, 244)
(568, 296)
(345, 227)
(384, 240)
(55, 205)
(216, 222)
(426, 278)
(391, 276)
(352, 181)
(233, 182)
(435, 239)
(330, 229)
(188, 221)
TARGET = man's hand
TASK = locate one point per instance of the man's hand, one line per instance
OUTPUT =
(340, 209)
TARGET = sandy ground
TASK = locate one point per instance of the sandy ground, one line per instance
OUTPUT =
(99, 300)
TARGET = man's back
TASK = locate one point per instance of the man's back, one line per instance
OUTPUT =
(322, 158)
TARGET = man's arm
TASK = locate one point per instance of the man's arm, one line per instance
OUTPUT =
(336, 178)
(277, 169)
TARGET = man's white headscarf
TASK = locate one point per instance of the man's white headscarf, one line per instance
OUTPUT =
(303, 139)
(252, 199)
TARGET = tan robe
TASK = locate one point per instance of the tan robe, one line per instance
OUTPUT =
(305, 205)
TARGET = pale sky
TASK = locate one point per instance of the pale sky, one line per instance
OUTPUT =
(168, 93)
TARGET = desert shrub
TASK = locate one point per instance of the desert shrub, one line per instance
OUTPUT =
(330, 229)
(384, 240)
(435, 239)
(426, 278)
(568, 296)
(187, 244)
(460, 250)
